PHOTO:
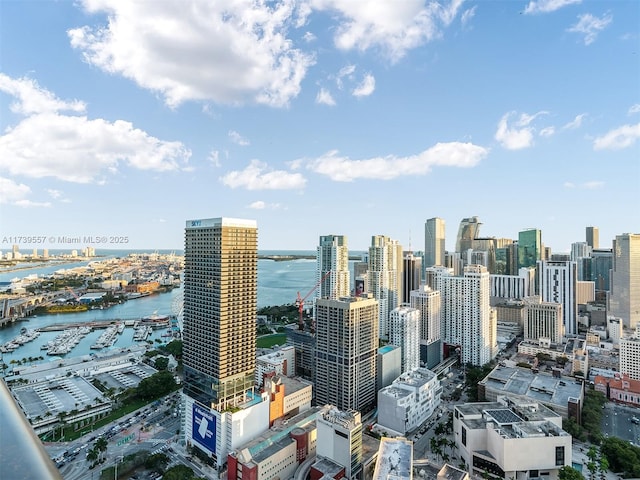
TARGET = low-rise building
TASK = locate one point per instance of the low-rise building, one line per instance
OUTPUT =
(410, 400)
(277, 452)
(619, 388)
(281, 362)
(562, 394)
(395, 459)
(511, 438)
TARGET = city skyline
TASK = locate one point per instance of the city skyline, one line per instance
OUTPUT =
(318, 117)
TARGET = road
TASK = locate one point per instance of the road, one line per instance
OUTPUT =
(151, 428)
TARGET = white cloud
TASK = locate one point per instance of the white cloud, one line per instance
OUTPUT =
(343, 169)
(55, 194)
(346, 71)
(261, 205)
(366, 87)
(257, 176)
(467, 15)
(31, 204)
(546, 6)
(258, 205)
(309, 37)
(591, 185)
(575, 123)
(30, 98)
(324, 98)
(590, 26)
(238, 139)
(634, 109)
(618, 138)
(214, 158)
(393, 27)
(74, 148)
(225, 52)
(11, 192)
(518, 136)
(547, 131)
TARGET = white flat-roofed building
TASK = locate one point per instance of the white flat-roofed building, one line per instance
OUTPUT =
(395, 459)
(511, 438)
(282, 362)
(412, 398)
(340, 439)
(220, 432)
(563, 394)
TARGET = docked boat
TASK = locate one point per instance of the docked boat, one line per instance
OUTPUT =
(156, 321)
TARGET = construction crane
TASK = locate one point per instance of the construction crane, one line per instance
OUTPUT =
(300, 300)
(74, 294)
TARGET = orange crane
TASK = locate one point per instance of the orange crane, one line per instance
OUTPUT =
(300, 300)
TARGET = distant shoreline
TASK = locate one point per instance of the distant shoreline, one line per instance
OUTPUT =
(286, 258)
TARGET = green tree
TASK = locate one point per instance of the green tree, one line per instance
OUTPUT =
(621, 456)
(569, 473)
(161, 363)
(157, 462)
(178, 472)
(157, 385)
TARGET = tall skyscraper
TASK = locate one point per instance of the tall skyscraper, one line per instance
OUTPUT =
(580, 253)
(222, 409)
(411, 275)
(346, 348)
(557, 283)
(529, 247)
(333, 257)
(468, 231)
(593, 237)
(428, 302)
(385, 278)
(434, 242)
(624, 300)
(468, 321)
(404, 331)
(220, 309)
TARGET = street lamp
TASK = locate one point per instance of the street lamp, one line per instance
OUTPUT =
(118, 460)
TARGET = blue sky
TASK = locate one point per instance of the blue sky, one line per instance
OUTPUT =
(360, 118)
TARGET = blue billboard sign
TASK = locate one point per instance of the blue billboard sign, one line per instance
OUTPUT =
(204, 428)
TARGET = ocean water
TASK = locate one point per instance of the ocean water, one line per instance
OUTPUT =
(278, 284)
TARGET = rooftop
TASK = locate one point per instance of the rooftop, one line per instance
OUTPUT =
(395, 459)
(535, 386)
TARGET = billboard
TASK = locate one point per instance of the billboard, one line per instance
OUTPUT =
(204, 428)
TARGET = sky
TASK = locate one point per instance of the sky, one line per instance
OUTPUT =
(119, 120)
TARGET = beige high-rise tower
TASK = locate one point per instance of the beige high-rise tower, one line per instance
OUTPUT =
(624, 298)
(220, 308)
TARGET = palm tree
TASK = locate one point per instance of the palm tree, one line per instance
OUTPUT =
(92, 455)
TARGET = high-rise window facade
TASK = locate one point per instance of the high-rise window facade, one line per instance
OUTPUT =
(434, 242)
(385, 278)
(332, 270)
(220, 308)
(624, 301)
(346, 348)
(529, 247)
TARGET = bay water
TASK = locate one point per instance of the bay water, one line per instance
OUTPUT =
(278, 284)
